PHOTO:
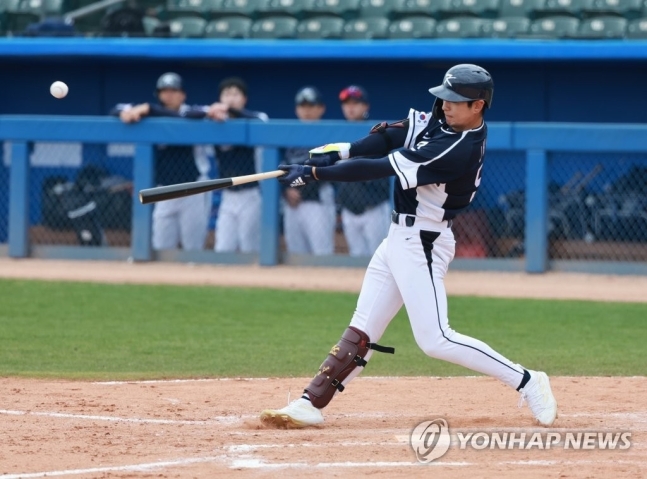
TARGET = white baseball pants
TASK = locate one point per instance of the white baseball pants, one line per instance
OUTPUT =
(364, 232)
(239, 221)
(182, 220)
(409, 269)
(309, 228)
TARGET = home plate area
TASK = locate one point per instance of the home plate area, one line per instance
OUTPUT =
(210, 428)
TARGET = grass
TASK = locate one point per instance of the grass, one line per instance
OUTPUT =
(100, 331)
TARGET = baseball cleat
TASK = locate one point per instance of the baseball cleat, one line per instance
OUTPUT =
(299, 413)
(540, 399)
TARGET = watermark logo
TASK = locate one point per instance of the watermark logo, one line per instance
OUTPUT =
(430, 440)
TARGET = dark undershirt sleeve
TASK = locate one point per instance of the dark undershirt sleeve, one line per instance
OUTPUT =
(361, 169)
(376, 145)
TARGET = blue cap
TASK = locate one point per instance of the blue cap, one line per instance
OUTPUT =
(309, 95)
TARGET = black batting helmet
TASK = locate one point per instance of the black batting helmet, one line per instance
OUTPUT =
(464, 82)
(169, 80)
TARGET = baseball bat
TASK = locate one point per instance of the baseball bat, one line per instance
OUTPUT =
(161, 193)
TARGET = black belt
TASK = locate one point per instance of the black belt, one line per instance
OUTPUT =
(408, 219)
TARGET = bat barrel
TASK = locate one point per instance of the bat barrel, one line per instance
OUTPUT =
(161, 193)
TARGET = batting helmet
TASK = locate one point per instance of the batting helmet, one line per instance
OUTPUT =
(169, 80)
(464, 82)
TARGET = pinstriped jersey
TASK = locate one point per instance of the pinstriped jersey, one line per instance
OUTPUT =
(438, 169)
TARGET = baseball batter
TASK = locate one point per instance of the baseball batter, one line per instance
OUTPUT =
(437, 159)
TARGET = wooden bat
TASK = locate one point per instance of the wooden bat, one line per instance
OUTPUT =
(161, 193)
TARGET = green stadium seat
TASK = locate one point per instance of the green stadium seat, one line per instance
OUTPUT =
(603, 27)
(461, 27)
(474, 8)
(367, 29)
(555, 27)
(345, 9)
(510, 27)
(229, 27)
(637, 29)
(553, 8)
(413, 27)
(520, 8)
(294, 8)
(150, 24)
(379, 8)
(629, 9)
(245, 8)
(187, 27)
(275, 27)
(186, 8)
(427, 8)
(18, 14)
(324, 27)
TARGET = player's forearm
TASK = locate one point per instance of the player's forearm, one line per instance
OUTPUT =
(361, 169)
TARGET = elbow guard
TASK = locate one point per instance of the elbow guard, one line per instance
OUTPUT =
(381, 128)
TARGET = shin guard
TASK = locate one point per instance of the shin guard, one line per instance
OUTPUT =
(345, 356)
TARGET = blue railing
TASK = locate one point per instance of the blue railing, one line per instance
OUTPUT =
(535, 139)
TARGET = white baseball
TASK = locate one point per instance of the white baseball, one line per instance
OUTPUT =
(58, 89)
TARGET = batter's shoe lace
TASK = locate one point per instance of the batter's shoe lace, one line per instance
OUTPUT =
(299, 413)
(539, 397)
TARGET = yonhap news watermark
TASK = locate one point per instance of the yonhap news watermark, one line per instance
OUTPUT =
(432, 439)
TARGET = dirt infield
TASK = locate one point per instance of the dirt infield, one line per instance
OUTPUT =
(209, 428)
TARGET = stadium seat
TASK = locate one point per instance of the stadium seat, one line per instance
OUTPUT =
(379, 8)
(428, 8)
(474, 8)
(274, 27)
(20, 13)
(637, 29)
(229, 27)
(413, 27)
(520, 8)
(187, 8)
(603, 27)
(625, 8)
(461, 27)
(552, 8)
(366, 29)
(187, 27)
(150, 24)
(321, 28)
(244, 8)
(555, 27)
(346, 9)
(294, 8)
(511, 27)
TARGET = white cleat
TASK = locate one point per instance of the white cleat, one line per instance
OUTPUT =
(540, 399)
(299, 413)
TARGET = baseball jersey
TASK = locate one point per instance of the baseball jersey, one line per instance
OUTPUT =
(173, 163)
(438, 169)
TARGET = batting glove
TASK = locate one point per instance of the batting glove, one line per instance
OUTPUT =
(328, 154)
(296, 175)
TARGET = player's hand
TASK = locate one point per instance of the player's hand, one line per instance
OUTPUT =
(296, 175)
(218, 111)
(329, 154)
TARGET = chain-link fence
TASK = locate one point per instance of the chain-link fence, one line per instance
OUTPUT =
(598, 206)
(493, 225)
(80, 194)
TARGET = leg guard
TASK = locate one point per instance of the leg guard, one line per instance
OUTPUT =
(345, 356)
